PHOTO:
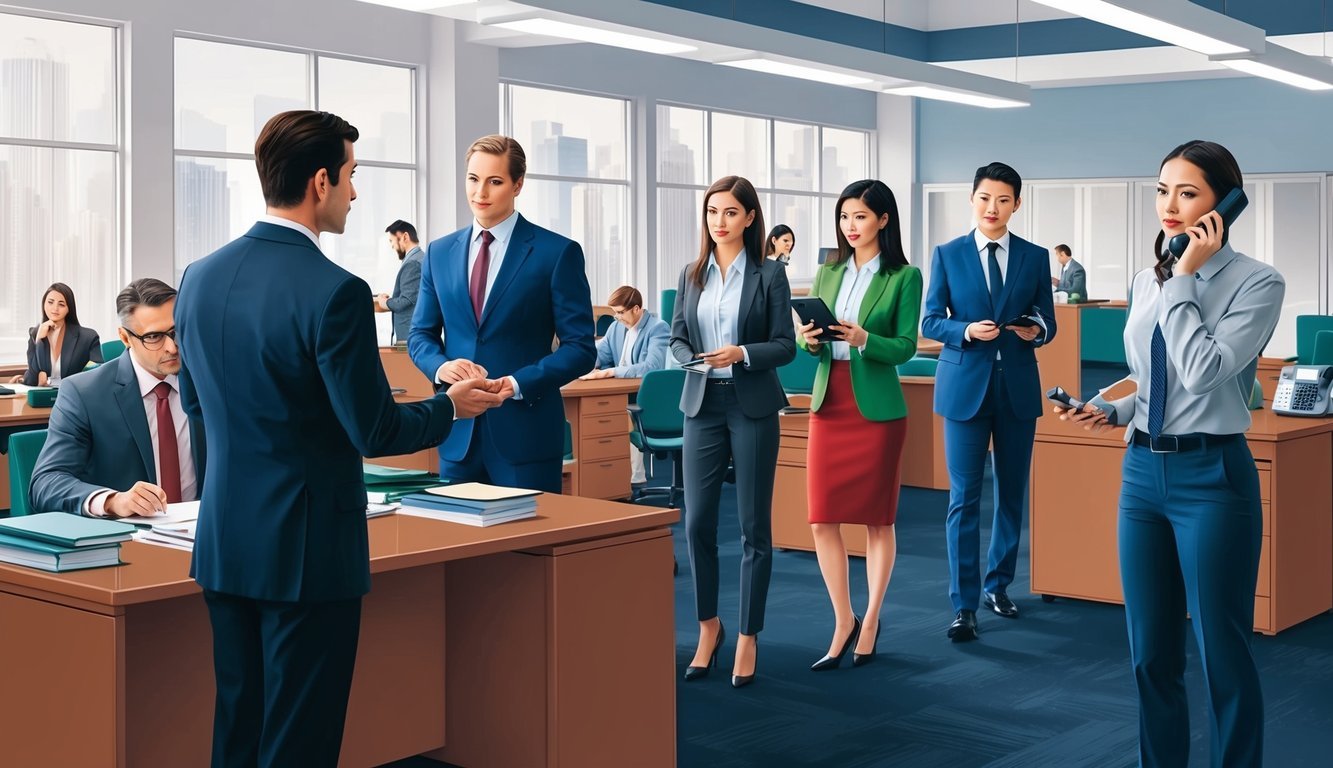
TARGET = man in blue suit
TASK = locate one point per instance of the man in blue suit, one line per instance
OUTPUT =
(280, 361)
(119, 442)
(494, 297)
(987, 387)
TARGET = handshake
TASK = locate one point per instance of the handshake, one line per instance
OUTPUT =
(469, 389)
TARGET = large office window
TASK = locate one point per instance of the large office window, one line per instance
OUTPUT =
(578, 181)
(224, 95)
(60, 172)
(798, 168)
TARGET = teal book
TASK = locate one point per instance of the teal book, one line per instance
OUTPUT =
(67, 530)
(53, 557)
(374, 474)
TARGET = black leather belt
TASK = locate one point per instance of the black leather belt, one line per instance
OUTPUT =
(1181, 443)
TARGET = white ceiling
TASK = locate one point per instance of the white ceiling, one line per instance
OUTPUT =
(933, 15)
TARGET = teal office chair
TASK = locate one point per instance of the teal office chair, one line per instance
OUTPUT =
(23, 450)
(919, 366)
(798, 376)
(604, 324)
(668, 305)
(1323, 349)
(659, 425)
(1103, 335)
(112, 349)
(1256, 401)
(1307, 328)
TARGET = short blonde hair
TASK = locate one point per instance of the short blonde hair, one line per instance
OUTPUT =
(503, 146)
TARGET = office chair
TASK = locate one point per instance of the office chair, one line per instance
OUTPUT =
(112, 349)
(659, 425)
(1307, 328)
(919, 366)
(604, 324)
(23, 450)
(668, 305)
(798, 376)
(1323, 349)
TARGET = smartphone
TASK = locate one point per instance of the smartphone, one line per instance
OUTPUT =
(1060, 397)
(1229, 209)
(1022, 321)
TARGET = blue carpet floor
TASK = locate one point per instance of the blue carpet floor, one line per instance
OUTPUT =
(1052, 688)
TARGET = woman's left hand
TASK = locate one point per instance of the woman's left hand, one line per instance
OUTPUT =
(1205, 240)
(723, 356)
(850, 332)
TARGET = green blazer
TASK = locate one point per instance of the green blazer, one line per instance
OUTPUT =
(891, 315)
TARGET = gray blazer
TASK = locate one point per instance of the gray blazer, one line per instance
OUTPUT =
(78, 347)
(405, 287)
(766, 332)
(648, 353)
(1074, 279)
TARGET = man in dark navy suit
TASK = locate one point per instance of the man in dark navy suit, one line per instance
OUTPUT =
(280, 361)
(986, 386)
(494, 295)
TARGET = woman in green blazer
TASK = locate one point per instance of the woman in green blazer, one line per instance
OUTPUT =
(858, 416)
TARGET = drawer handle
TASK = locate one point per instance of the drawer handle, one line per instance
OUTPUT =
(605, 466)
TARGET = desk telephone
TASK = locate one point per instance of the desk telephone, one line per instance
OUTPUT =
(1302, 390)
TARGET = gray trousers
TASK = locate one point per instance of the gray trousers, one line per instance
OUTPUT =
(719, 433)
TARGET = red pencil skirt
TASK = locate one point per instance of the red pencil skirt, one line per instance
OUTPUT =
(855, 464)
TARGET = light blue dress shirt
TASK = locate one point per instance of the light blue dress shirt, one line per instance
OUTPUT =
(720, 309)
(1215, 323)
(851, 293)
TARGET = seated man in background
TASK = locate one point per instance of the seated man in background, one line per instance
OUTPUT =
(1073, 278)
(119, 442)
(631, 348)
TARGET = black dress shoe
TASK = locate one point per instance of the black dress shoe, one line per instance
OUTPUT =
(865, 658)
(1001, 604)
(698, 673)
(832, 662)
(740, 681)
(964, 626)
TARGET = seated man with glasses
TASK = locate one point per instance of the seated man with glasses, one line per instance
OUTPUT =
(119, 442)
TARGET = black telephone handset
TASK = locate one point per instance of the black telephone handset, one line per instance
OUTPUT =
(1228, 208)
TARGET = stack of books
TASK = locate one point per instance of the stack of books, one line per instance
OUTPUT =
(386, 485)
(472, 504)
(56, 541)
(173, 534)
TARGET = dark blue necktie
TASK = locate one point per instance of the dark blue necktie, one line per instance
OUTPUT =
(996, 279)
(1157, 385)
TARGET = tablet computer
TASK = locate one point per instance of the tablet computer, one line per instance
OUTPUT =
(1022, 321)
(812, 309)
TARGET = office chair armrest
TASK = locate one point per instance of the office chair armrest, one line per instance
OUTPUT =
(1291, 359)
(636, 415)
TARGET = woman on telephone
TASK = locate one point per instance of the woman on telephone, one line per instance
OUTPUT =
(1190, 522)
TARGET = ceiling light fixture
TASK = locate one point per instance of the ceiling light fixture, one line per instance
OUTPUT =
(538, 25)
(802, 71)
(1283, 65)
(958, 97)
(1178, 22)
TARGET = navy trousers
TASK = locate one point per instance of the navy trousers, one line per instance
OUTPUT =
(965, 446)
(483, 464)
(1190, 530)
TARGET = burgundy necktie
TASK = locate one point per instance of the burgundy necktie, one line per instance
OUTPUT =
(477, 286)
(168, 451)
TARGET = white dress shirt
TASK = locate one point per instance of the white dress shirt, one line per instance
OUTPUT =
(296, 225)
(96, 502)
(719, 310)
(631, 336)
(851, 293)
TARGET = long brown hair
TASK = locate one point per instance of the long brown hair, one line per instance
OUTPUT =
(1220, 171)
(753, 237)
(71, 317)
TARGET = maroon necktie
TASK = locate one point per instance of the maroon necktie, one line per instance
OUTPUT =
(477, 286)
(168, 451)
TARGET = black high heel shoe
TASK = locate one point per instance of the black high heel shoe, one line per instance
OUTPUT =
(740, 681)
(699, 673)
(865, 658)
(832, 662)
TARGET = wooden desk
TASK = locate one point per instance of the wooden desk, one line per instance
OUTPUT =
(479, 646)
(598, 417)
(1268, 372)
(1075, 491)
(16, 415)
(1060, 363)
(403, 373)
(923, 467)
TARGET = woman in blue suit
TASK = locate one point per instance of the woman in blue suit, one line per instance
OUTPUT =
(732, 325)
(58, 347)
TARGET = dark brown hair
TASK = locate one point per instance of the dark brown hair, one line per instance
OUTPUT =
(72, 318)
(1062, 248)
(144, 292)
(626, 296)
(1221, 173)
(293, 147)
(499, 144)
(753, 237)
(878, 198)
(774, 234)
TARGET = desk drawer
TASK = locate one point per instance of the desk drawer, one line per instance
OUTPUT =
(604, 479)
(1263, 586)
(603, 404)
(601, 448)
(791, 456)
(598, 424)
(1265, 480)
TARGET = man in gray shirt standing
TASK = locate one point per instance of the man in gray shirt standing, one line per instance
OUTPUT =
(403, 302)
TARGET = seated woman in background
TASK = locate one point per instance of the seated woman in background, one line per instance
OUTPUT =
(780, 242)
(58, 347)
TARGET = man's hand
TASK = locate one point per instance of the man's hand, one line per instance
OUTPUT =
(473, 397)
(143, 499)
(986, 330)
(455, 371)
(1026, 333)
(1055, 281)
(381, 302)
(604, 373)
(506, 389)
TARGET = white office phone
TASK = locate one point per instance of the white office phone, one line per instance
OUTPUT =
(1302, 390)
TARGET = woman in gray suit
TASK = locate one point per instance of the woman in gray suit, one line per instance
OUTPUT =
(732, 329)
(58, 347)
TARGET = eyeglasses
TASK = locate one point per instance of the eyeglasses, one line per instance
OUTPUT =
(154, 340)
